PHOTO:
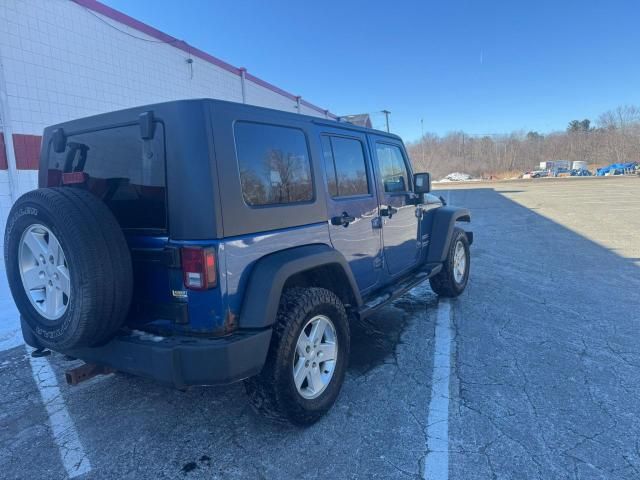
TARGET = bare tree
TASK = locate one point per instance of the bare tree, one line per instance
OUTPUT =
(621, 127)
(616, 138)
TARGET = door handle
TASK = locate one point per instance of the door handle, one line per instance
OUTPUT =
(388, 211)
(345, 219)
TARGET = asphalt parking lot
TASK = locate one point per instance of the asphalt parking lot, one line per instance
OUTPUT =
(539, 361)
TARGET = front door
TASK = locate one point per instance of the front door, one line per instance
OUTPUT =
(400, 225)
(352, 205)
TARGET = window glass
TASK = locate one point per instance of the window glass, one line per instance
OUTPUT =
(351, 172)
(274, 164)
(346, 168)
(393, 170)
(124, 171)
(329, 166)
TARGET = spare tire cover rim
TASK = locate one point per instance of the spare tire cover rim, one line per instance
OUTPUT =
(44, 272)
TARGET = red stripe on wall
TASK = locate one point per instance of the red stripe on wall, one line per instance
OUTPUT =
(3, 153)
(27, 149)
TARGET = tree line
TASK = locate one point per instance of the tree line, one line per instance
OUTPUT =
(614, 138)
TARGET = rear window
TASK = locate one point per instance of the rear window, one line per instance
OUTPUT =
(125, 171)
(274, 164)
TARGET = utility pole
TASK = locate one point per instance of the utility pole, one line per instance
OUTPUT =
(422, 140)
(386, 116)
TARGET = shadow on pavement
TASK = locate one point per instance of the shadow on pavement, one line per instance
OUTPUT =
(546, 350)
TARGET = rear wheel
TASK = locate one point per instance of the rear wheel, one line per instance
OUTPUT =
(452, 279)
(68, 266)
(307, 359)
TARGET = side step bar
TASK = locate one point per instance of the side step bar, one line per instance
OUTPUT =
(398, 289)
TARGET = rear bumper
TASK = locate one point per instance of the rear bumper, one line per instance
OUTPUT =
(183, 361)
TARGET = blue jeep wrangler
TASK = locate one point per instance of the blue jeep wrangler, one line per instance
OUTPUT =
(203, 242)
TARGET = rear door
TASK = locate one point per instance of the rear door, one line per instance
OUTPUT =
(127, 172)
(352, 205)
(398, 211)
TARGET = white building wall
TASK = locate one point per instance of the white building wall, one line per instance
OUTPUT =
(60, 61)
(5, 200)
(259, 95)
(309, 111)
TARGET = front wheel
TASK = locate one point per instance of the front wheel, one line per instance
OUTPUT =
(452, 279)
(307, 359)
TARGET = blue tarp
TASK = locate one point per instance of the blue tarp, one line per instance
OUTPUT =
(616, 168)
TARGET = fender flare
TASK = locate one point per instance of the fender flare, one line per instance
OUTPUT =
(268, 276)
(444, 222)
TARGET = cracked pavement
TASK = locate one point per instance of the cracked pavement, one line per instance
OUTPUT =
(544, 369)
(546, 382)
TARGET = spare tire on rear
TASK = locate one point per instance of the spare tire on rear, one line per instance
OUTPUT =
(68, 266)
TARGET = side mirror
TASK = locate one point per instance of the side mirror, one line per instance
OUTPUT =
(421, 183)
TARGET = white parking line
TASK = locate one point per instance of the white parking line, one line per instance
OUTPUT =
(436, 465)
(63, 429)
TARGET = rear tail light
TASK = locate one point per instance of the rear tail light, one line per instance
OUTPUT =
(199, 268)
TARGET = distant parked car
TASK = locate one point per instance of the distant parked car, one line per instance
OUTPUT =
(561, 172)
(581, 172)
(539, 174)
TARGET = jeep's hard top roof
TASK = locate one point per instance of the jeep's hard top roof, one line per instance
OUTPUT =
(130, 114)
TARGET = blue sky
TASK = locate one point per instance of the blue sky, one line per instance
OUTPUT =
(479, 66)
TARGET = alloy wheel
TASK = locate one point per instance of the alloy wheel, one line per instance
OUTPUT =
(315, 357)
(44, 272)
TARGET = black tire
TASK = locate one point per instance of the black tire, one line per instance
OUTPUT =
(444, 282)
(98, 259)
(273, 393)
